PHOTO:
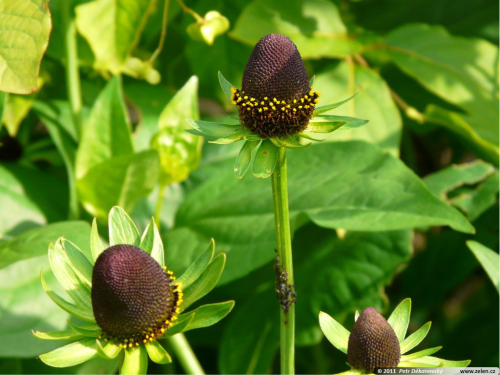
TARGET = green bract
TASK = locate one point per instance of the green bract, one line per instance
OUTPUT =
(399, 321)
(73, 268)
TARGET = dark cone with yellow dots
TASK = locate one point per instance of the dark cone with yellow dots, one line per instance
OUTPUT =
(134, 299)
(275, 99)
(372, 343)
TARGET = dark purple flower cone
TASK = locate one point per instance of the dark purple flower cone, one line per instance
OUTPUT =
(372, 343)
(275, 99)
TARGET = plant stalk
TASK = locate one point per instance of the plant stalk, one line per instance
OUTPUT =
(284, 241)
(184, 353)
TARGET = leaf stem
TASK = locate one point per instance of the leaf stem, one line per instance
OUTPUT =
(184, 353)
(284, 241)
(188, 10)
(74, 94)
(163, 35)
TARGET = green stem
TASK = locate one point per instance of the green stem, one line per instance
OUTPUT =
(159, 202)
(184, 353)
(74, 95)
(163, 34)
(283, 238)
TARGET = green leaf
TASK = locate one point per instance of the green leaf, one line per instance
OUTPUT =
(420, 354)
(442, 182)
(67, 335)
(356, 316)
(415, 338)
(239, 212)
(179, 151)
(180, 325)
(291, 142)
(120, 181)
(433, 362)
(91, 330)
(96, 246)
(205, 283)
(400, 319)
(215, 129)
(34, 242)
(157, 353)
(71, 354)
(116, 30)
(109, 351)
(135, 361)
(461, 71)
(265, 159)
(488, 259)
(3, 102)
(106, 133)
(315, 26)
(225, 85)
(336, 122)
(373, 102)
(61, 267)
(152, 244)
(334, 331)
(122, 229)
(208, 315)
(85, 314)
(198, 267)
(212, 25)
(480, 199)
(311, 81)
(25, 36)
(80, 264)
(245, 158)
(325, 108)
(16, 108)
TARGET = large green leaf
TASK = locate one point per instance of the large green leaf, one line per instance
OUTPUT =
(488, 259)
(461, 71)
(107, 131)
(373, 102)
(314, 26)
(179, 151)
(119, 181)
(112, 29)
(351, 185)
(26, 26)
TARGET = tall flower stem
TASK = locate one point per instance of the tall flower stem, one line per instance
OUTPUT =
(184, 353)
(283, 238)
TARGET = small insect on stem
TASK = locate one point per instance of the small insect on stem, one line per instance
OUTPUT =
(285, 292)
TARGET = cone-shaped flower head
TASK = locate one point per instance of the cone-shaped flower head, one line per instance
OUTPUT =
(275, 99)
(134, 299)
(372, 343)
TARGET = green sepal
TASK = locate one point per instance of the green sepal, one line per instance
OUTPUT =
(307, 136)
(157, 353)
(67, 335)
(328, 107)
(122, 230)
(334, 331)
(290, 142)
(135, 361)
(71, 354)
(180, 325)
(96, 246)
(311, 81)
(400, 319)
(415, 338)
(433, 362)
(66, 276)
(225, 85)
(244, 158)
(214, 129)
(208, 315)
(420, 354)
(205, 283)
(79, 312)
(356, 316)
(152, 244)
(328, 124)
(277, 142)
(82, 267)
(198, 267)
(91, 330)
(265, 159)
(253, 137)
(232, 138)
(108, 351)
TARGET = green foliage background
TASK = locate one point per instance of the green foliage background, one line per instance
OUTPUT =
(379, 213)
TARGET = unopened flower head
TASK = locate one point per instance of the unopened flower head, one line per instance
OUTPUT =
(275, 99)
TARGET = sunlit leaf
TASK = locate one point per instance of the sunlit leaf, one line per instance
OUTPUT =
(334, 331)
(135, 361)
(400, 319)
(488, 259)
(157, 353)
(71, 354)
(415, 338)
